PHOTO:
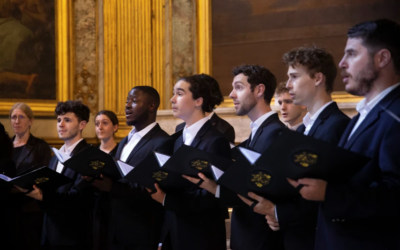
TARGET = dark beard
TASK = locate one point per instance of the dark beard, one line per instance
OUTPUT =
(247, 106)
(365, 79)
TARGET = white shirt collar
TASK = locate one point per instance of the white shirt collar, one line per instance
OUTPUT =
(70, 148)
(189, 133)
(142, 132)
(210, 115)
(257, 123)
(309, 120)
(364, 107)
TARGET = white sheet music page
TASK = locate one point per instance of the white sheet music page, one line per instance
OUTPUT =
(125, 168)
(250, 155)
(162, 158)
(62, 157)
(217, 172)
(4, 177)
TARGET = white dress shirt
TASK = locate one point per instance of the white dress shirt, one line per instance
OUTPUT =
(133, 139)
(257, 123)
(189, 133)
(67, 151)
(309, 120)
(364, 108)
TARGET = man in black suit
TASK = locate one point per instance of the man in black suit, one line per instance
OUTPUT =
(66, 222)
(312, 72)
(136, 218)
(364, 212)
(195, 219)
(220, 124)
(253, 89)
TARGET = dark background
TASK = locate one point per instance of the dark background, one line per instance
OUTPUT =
(261, 31)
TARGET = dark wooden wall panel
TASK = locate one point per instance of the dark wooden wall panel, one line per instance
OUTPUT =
(260, 31)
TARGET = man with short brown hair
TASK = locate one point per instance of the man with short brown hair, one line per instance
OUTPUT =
(291, 113)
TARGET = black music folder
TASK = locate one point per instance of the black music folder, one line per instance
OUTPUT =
(93, 162)
(292, 155)
(44, 177)
(151, 170)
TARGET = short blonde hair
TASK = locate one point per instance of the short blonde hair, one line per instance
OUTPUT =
(24, 107)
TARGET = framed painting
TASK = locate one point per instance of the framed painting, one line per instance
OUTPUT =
(36, 54)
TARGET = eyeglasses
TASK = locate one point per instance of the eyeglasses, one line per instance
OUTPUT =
(15, 117)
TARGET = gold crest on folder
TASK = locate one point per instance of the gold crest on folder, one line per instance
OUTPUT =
(261, 179)
(199, 164)
(96, 165)
(160, 175)
(305, 159)
(41, 180)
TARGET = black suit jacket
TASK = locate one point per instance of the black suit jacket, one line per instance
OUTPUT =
(136, 218)
(250, 230)
(35, 154)
(66, 219)
(298, 219)
(220, 124)
(364, 213)
(195, 219)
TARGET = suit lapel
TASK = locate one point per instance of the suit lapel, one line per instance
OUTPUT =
(301, 129)
(373, 116)
(143, 141)
(368, 121)
(200, 134)
(81, 145)
(260, 129)
(121, 146)
(53, 163)
(348, 130)
(322, 117)
(214, 119)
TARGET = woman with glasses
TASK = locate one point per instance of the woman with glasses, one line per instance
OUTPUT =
(29, 153)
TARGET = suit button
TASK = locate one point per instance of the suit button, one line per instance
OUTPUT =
(342, 220)
(333, 220)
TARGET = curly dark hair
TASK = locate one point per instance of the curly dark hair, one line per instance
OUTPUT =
(377, 35)
(281, 89)
(206, 87)
(316, 60)
(77, 107)
(256, 75)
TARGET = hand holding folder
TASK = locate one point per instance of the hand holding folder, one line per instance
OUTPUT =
(292, 155)
(44, 178)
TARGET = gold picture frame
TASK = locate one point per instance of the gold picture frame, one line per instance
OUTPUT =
(64, 23)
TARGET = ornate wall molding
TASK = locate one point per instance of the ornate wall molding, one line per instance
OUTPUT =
(204, 37)
(86, 90)
(133, 51)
